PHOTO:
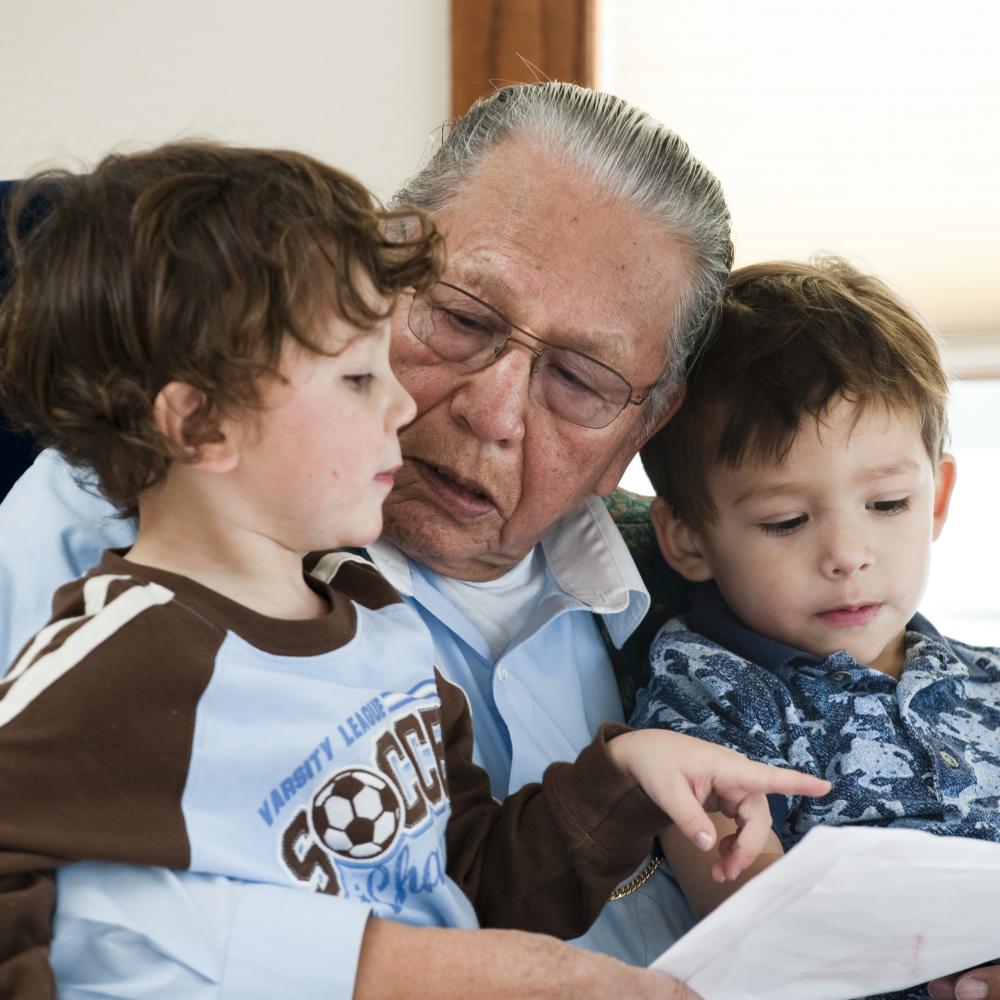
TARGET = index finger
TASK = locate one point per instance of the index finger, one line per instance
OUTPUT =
(767, 778)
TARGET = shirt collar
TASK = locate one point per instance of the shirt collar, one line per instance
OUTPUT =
(712, 617)
(590, 561)
(392, 564)
(968, 660)
(587, 557)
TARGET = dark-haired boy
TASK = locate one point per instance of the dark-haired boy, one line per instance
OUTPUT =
(803, 483)
(205, 329)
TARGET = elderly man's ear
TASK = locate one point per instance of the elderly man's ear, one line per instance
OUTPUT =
(630, 447)
(680, 544)
(179, 415)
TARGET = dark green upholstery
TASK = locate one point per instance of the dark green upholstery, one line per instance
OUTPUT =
(670, 592)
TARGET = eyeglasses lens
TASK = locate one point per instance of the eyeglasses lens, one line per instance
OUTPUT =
(461, 329)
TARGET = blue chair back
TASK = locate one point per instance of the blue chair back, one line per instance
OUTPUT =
(17, 448)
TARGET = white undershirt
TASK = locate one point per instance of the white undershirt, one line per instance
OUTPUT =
(498, 607)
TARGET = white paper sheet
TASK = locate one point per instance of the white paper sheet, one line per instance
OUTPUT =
(846, 913)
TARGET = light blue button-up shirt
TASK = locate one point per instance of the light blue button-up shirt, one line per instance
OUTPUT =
(545, 696)
(52, 530)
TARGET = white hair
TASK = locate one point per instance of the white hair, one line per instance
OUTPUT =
(633, 158)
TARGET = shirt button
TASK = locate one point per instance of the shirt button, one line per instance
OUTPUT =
(949, 758)
(841, 675)
(502, 674)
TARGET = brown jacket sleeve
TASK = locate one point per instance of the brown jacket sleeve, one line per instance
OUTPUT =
(549, 855)
(96, 726)
(26, 901)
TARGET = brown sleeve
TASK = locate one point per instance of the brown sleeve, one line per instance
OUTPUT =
(26, 901)
(93, 763)
(549, 855)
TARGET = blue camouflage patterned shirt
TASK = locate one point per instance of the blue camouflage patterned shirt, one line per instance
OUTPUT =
(923, 751)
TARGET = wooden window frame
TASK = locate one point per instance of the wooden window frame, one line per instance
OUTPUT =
(494, 42)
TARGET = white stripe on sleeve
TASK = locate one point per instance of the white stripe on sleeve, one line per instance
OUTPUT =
(23, 686)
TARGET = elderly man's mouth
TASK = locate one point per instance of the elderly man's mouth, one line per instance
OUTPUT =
(462, 498)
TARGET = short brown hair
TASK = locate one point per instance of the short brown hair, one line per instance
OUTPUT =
(790, 340)
(191, 262)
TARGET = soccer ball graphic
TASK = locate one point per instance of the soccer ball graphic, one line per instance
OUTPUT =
(356, 814)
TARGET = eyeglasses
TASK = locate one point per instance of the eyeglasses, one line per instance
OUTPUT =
(464, 330)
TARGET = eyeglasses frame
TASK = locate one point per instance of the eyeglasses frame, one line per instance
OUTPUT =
(635, 400)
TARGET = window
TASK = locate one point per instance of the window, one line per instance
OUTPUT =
(871, 131)
(963, 598)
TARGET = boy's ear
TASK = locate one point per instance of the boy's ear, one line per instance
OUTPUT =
(177, 412)
(944, 483)
(680, 545)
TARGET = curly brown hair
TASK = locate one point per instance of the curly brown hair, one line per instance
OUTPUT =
(191, 262)
(791, 339)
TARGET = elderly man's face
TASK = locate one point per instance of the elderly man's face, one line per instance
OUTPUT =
(487, 470)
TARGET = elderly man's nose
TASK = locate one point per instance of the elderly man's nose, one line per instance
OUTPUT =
(492, 401)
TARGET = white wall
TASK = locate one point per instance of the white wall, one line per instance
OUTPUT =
(360, 83)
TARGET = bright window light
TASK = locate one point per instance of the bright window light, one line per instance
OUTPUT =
(869, 130)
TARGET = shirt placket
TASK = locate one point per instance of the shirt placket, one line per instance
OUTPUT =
(926, 690)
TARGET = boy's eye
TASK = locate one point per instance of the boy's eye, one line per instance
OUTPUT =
(890, 506)
(360, 382)
(785, 527)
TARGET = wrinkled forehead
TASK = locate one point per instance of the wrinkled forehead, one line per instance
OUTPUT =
(544, 245)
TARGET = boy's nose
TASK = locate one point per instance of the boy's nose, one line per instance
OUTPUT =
(402, 408)
(845, 554)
